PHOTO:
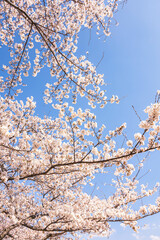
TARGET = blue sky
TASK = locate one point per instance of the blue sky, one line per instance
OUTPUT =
(131, 66)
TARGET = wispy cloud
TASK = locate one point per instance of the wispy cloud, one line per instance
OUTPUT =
(137, 236)
(146, 227)
(154, 237)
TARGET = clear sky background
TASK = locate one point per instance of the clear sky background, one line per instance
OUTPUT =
(131, 67)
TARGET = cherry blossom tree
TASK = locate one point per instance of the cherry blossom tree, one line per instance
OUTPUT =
(45, 163)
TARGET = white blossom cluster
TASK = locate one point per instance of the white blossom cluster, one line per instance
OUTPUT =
(51, 28)
(45, 163)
